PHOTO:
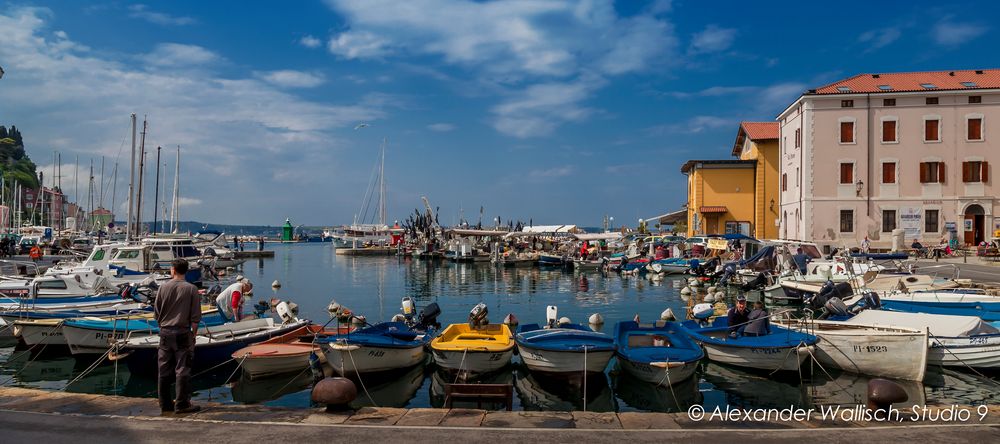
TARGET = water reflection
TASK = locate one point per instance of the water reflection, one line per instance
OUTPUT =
(640, 395)
(541, 392)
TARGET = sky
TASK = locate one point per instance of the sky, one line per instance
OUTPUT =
(558, 112)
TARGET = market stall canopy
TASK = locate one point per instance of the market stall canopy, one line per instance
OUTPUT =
(471, 232)
(543, 229)
(597, 236)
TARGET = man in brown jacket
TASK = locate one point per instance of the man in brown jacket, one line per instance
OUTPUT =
(178, 312)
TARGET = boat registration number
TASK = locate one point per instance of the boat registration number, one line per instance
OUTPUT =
(765, 351)
(376, 353)
(871, 348)
(109, 335)
(977, 339)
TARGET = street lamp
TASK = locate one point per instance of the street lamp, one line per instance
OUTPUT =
(772, 204)
(859, 186)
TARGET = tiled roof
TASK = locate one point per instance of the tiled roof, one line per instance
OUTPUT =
(914, 81)
(761, 130)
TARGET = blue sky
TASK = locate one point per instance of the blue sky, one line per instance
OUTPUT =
(561, 112)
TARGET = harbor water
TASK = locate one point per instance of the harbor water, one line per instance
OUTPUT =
(312, 276)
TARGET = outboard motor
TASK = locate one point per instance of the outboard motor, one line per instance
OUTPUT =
(408, 307)
(477, 316)
(836, 307)
(428, 316)
(285, 312)
(872, 300)
(551, 316)
(757, 283)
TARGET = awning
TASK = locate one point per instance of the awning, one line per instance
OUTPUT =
(715, 209)
(597, 236)
(473, 232)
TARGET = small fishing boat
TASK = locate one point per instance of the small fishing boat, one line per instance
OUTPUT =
(587, 265)
(669, 266)
(382, 347)
(659, 353)
(214, 346)
(551, 259)
(955, 341)
(94, 335)
(474, 348)
(958, 302)
(867, 349)
(782, 349)
(283, 354)
(563, 348)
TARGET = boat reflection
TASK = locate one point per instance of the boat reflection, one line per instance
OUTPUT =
(541, 392)
(849, 389)
(637, 394)
(725, 385)
(394, 389)
(262, 390)
(440, 378)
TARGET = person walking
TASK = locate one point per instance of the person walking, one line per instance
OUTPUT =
(177, 310)
(35, 253)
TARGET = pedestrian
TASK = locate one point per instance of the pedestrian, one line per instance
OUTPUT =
(866, 245)
(35, 253)
(178, 312)
(260, 243)
(231, 300)
(738, 317)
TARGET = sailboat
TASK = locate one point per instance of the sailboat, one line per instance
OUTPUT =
(368, 237)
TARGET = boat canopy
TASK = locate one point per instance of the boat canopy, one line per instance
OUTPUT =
(542, 229)
(939, 325)
(597, 236)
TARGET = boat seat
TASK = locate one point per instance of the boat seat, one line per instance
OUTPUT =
(647, 340)
(474, 337)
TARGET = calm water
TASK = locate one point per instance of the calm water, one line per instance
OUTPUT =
(312, 275)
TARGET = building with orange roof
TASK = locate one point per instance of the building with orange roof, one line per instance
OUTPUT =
(758, 141)
(874, 153)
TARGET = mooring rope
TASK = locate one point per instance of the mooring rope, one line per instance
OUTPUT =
(358, 373)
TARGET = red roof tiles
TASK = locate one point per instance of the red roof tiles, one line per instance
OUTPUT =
(911, 81)
(761, 130)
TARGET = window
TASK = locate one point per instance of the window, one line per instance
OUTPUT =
(889, 172)
(975, 130)
(932, 100)
(846, 132)
(846, 221)
(885, 87)
(843, 89)
(847, 173)
(931, 221)
(932, 172)
(798, 138)
(56, 284)
(975, 99)
(888, 221)
(98, 255)
(847, 104)
(969, 84)
(932, 131)
(888, 102)
(784, 181)
(928, 86)
(888, 131)
(737, 227)
(975, 172)
(798, 178)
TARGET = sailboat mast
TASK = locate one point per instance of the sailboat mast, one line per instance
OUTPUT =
(175, 206)
(131, 185)
(381, 180)
(114, 189)
(156, 193)
(142, 164)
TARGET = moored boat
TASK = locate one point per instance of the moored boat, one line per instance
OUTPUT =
(94, 335)
(283, 354)
(782, 349)
(476, 349)
(955, 341)
(383, 347)
(659, 353)
(564, 348)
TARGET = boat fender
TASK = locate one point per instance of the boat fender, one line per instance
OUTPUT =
(711, 289)
(686, 291)
(836, 306)
(668, 315)
(596, 319)
(564, 321)
(719, 296)
(710, 298)
(551, 316)
(275, 285)
(398, 318)
(359, 320)
(703, 311)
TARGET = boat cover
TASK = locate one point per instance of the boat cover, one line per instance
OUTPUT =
(939, 325)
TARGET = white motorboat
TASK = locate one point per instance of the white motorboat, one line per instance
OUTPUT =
(955, 341)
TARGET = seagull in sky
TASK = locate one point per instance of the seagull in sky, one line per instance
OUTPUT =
(361, 125)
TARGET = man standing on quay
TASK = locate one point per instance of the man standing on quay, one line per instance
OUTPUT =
(178, 312)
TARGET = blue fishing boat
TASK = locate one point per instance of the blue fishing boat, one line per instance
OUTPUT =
(659, 353)
(781, 349)
(94, 335)
(987, 311)
(564, 349)
(382, 347)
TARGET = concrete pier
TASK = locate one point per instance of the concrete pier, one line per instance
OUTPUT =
(32, 415)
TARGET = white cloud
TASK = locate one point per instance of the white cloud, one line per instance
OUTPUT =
(878, 38)
(551, 173)
(713, 91)
(143, 12)
(950, 33)
(179, 55)
(776, 97)
(694, 125)
(441, 127)
(64, 96)
(357, 45)
(513, 49)
(291, 79)
(187, 201)
(310, 42)
(712, 39)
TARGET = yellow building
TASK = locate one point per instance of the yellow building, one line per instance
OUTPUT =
(720, 196)
(758, 141)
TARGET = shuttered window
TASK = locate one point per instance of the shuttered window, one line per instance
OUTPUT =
(931, 221)
(889, 131)
(846, 221)
(889, 172)
(847, 173)
(846, 132)
(976, 129)
(932, 172)
(931, 133)
(975, 172)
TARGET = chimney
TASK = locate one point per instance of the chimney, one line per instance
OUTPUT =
(952, 73)
(979, 71)
(874, 76)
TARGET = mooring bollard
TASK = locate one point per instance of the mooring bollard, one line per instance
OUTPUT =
(336, 393)
(883, 393)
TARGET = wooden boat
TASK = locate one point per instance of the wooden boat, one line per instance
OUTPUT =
(214, 345)
(955, 341)
(867, 349)
(93, 335)
(568, 349)
(669, 266)
(783, 349)
(473, 350)
(551, 259)
(382, 347)
(659, 353)
(286, 353)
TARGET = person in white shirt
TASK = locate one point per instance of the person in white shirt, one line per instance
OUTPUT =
(230, 301)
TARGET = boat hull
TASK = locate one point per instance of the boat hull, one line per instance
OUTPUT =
(350, 359)
(39, 334)
(83, 341)
(256, 367)
(564, 362)
(974, 351)
(896, 355)
(473, 361)
(761, 358)
(660, 375)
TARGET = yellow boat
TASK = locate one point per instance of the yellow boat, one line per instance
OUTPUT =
(483, 349)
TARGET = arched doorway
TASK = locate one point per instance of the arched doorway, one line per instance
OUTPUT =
(975, 224)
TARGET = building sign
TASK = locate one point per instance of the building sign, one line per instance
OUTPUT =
(911, 221)
(968, 225)
(717, 244)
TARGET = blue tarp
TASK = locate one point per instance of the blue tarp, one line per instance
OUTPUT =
(734, 236)
(383, 334)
